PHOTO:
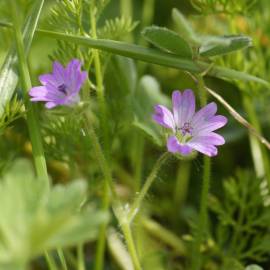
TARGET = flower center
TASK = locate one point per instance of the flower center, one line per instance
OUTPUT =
(186, 129)
(62, 88)
(184, 133)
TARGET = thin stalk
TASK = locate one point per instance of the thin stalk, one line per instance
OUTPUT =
(164, 235)
(32, 121)
(62, 258)
(201, 229)
(130, 244)
(99, 81)
(99, 263)
(181, 185)
(108, 187)
(259, 155)
(80, 257)
(137, 203)
(99, 260)
(138, 159)
(50, 261)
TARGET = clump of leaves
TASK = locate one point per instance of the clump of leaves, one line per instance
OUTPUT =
(41, 218)
(242, 229)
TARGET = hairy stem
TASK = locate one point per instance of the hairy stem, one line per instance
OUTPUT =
(150, 179)
(99, 262)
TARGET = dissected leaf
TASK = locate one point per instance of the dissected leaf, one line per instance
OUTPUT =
(167, 40)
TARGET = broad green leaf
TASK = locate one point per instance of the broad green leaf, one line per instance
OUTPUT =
(146, 97)
(214, 46)
(155, 57)
(184, 27)
(167, 41)
(8, 72)
(41, 219)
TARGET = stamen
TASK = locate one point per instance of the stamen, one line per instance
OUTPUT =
(186, 129)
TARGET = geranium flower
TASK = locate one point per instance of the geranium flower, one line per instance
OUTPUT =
(61, 87)
(190, 130)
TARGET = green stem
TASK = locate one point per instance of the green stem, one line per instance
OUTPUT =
(150, 179)
(32, 121)
(202, 226)
(99, 262)
(164, 235)
(50, 261)
(201, 229)
(259, 155)
(108, 187)
(181, 185)
(124, 225)
(80, 257)
(62, 258)
(130, 244)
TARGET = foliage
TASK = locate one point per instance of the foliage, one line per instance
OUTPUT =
(42, 218)
(242, 228)
(134, 63)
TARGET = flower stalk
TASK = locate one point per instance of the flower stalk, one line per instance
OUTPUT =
(150, 179)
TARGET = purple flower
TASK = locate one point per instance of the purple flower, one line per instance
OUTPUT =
(62, 86)
(190, 130)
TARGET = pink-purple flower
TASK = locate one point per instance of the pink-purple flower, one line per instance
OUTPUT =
(190, 130)
(62, 86)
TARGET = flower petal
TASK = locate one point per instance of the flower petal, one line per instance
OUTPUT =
(47, 79)
(58, 72)
(174, 146)
(212, 124)
(50, 105)
(183, 106)
(164, 117)
(207, 149)
(203, 115)
(211, 138)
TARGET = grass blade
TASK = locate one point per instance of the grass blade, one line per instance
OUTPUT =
(155, 57)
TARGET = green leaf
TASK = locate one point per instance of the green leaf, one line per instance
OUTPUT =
(155, 57)
(146, 97)
(167, 41)
(41, 219)
(184, 28)
(8, 72)
(214, 46)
